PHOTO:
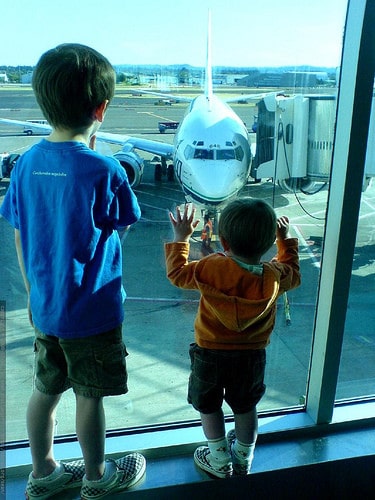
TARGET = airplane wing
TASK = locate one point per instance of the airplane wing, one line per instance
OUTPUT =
(234, 99)
(253, 97)
(41, 127)
(165, 95)
(127, 142)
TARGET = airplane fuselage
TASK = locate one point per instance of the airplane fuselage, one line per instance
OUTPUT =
(211, 152)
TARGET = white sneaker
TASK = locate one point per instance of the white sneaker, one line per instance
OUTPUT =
(119, 475)
(68, 475)
(241, 466)
(204, 460)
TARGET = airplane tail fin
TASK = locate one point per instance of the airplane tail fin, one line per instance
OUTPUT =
(208, 90)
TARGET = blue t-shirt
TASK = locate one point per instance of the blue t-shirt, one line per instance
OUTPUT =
(68, 201)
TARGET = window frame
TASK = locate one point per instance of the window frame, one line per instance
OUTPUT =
(348, 164)
(347, 172)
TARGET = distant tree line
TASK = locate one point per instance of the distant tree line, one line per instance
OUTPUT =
(125, 75)
(130, 74)
(14, 73)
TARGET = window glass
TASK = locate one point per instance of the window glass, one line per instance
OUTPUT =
(225, 154)
(294, 58)
(357, 367)
(204, 154)
(239, 153)
(189, 152)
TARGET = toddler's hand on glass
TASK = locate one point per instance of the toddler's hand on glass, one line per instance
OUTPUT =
(183, 223)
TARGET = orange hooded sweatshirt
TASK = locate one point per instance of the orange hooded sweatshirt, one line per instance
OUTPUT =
(237, 308)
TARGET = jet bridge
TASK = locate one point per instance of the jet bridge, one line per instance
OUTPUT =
(294, 141)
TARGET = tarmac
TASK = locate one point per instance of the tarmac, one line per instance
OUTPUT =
(158, 326)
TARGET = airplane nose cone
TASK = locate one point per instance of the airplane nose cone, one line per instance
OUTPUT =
(216, 181)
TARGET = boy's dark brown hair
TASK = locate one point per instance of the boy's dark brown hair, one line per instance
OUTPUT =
(70, 82)
(249, 227)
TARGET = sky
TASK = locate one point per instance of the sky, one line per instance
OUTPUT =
(244, 32)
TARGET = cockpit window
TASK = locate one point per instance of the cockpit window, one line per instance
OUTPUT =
(225, 154)
(239, 153)
(204, 154)
(213, 154)
(189, 152)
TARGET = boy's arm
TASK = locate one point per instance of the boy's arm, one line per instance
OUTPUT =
(287, 262)
(180, 272)
(21, 263)
(17, 240)
(287, 256)
(125, 210)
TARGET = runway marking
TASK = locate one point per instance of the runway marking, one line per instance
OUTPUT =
(369, 205)
(316, 262)
(365, 340)
(138, 191)
(150, 113)
(166, 210)
(195, 301)
(166, 187)
(161, 299)
(366, 216)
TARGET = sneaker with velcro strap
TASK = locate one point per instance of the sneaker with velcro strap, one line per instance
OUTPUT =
(118, 475)
(66, 475)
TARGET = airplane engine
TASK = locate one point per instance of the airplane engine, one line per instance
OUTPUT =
(133, 165)
(7, 162)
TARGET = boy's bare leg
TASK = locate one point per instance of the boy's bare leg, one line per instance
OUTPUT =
(213, 424)
(40, 419)
(218, 456)
(246, 426)
(90, 428)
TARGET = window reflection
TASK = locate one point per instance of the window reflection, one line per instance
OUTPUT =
(357, 367)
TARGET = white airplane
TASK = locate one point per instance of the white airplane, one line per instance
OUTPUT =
(211, 152)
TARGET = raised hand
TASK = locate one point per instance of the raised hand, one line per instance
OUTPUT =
(183, 223)
(282, 228)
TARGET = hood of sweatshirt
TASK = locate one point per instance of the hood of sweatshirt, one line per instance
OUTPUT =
(227, 297)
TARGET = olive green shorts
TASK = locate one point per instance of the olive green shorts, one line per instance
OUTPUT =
(236, 376)
(93, 366)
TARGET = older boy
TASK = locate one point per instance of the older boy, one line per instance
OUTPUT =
(67, 204)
